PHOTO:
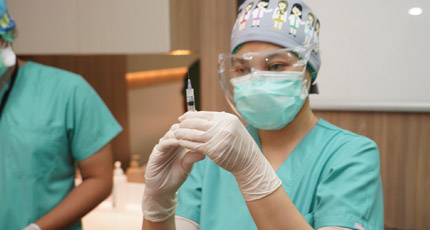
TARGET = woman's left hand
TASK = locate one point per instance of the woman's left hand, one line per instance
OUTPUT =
(222, 137)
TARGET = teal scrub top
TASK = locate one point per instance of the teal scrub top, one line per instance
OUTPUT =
(52, 119)
(332, 176)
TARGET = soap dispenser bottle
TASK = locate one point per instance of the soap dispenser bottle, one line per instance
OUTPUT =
(119, 192)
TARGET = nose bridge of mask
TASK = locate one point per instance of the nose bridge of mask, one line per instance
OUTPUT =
(269, 80)
(258, 77)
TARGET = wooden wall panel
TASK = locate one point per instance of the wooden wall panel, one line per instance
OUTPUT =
(216, 24)
(184, 25)
(403, 141)
(106, 74)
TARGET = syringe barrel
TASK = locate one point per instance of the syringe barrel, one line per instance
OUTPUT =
(191, 106)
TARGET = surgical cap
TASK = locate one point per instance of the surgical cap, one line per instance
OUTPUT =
(7, 24)
(287, 23)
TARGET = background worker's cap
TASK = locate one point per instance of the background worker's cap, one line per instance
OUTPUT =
(7, 24)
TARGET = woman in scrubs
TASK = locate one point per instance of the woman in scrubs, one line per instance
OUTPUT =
(287, 169)
(50, 119)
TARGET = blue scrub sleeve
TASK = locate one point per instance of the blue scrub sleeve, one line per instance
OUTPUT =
(90, 124)
(350, 194)
(190, 194)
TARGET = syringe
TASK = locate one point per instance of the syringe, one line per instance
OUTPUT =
(191, 105)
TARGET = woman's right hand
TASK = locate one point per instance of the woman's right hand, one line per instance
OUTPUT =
(167, 169)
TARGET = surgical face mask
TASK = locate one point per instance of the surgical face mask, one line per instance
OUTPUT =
(8, 59)
(269, 100)
(267, 89)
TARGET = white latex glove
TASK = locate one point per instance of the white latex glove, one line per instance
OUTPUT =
(167, 168)
(32, 226)
(222, 137)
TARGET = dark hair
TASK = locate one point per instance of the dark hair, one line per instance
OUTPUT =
(239, 11)
(286, 3)
(317, 24)
(250, 4)
(298, 7)
(266, 1)
(239, 2)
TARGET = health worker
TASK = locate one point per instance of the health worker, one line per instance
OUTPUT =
(287, 169)
(50, 119)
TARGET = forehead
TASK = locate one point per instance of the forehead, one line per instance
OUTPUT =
(258, 47)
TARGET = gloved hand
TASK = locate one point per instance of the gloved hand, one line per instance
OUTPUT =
(222, 137)
(168, 167)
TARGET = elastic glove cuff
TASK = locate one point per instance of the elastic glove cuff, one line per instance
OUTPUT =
(158, 209)
(257, 182)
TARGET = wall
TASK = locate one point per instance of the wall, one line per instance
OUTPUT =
(403, 141)
(91, 26)
(379, 49)
(184, 24)
(153, 109)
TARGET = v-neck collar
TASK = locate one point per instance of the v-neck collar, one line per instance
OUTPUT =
(295, 164)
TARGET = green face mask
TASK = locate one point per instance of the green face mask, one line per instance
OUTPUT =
(269, 100)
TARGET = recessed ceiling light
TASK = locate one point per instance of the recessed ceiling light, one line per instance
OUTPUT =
(415, 11)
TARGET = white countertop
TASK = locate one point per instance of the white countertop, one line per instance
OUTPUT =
(105, 217)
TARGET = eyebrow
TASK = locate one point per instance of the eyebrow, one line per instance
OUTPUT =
(271, 56)
(290, 58)
(235, 60)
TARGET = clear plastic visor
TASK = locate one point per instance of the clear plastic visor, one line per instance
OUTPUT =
(232, 66)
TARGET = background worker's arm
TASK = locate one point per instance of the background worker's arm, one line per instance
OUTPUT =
(96, 185)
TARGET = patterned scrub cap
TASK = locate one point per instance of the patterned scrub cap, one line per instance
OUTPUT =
(287, 23)
(7, 24)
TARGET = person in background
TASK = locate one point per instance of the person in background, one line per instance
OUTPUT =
(49, 119)
(286, 170)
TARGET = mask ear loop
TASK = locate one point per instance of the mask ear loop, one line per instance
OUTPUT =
(305, 83)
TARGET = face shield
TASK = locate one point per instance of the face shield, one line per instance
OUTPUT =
(267, 89)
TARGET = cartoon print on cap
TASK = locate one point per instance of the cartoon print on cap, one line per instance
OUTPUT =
(295, 18)
(236, 22)
(258, 12)
(4, 21)
(245, 16)
(316, 36)
(280, 15)
(309, 28)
